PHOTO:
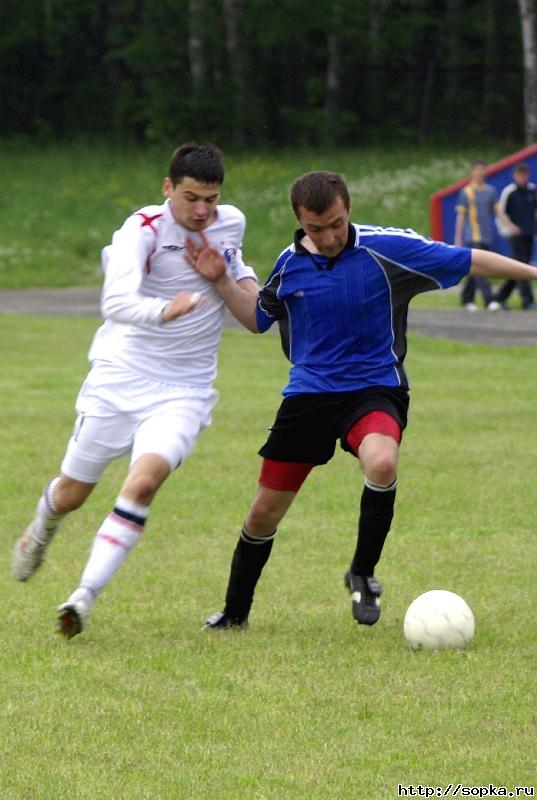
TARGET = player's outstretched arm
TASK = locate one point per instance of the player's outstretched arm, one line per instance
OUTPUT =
(210, 263)
(494, 265)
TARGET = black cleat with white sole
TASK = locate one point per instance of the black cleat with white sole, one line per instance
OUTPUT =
(222, 621)
(365, 593)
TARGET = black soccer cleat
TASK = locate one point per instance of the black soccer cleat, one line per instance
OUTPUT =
(365, 593)
(222, 621)
(71, 619)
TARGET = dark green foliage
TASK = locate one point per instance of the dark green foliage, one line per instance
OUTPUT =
(250, 73)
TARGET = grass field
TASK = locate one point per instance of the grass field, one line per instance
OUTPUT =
(304, 705)
(61, 204)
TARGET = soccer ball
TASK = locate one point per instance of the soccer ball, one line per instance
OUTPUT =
(438, 619)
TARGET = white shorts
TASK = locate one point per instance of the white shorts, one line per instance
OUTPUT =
(120, 413)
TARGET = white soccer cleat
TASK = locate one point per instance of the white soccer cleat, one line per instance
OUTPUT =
(29, 553)
(73, 614)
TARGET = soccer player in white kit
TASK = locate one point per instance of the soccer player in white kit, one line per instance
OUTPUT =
(149, 391)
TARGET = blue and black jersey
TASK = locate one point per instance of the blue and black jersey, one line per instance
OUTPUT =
(343, 320)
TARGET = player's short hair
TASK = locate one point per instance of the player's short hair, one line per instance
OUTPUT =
(521, 167)
(202, 163)
(317, 191)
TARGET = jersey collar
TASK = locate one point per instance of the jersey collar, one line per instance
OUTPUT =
(301, 233)
(323, 262)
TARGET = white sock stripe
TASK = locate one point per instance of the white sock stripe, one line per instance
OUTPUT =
(377, 487)
(131, 507)
(111, 546)
(49, 494)
(120, 531)
(126, 523)
(251, 539)
(113, 540)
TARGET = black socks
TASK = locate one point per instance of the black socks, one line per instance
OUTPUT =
(250, 556)
(376, 514)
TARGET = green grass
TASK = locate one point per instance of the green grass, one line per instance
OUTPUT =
(61, 204)
(304, 705)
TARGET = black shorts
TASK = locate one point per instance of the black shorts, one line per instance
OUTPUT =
(307, 426)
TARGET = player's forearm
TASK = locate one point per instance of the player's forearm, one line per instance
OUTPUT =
(241, 302)
(132, 308)
(494, 265)
(121, 300)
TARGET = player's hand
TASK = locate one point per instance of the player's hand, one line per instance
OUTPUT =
(205, 259)
(182, 304)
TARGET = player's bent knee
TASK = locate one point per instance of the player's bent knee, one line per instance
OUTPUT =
(141, 488)
(382, 469)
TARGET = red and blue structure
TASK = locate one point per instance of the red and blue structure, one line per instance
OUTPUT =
(442, 203)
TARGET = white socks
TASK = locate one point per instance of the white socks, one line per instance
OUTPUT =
(47, 519)
(114, 540)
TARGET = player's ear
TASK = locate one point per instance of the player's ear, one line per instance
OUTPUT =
(167, 187)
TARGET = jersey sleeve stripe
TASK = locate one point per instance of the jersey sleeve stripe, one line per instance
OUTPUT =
(379, 258)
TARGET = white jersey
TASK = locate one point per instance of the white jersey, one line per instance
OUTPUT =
(145, 268)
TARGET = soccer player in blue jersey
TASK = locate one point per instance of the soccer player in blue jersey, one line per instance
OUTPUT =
(340, 295)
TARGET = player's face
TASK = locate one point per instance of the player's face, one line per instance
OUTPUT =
(193, 203)
(521, 177)
(328, 231)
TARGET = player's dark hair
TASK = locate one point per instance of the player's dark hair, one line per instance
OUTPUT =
(521, 167)
(202, 163)
(317, 191)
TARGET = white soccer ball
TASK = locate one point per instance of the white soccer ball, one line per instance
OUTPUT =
(438, 619)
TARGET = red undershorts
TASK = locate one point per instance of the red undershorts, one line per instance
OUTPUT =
(288, 476)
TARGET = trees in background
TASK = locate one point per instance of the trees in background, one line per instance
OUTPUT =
(528, 17)
(252, 73)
